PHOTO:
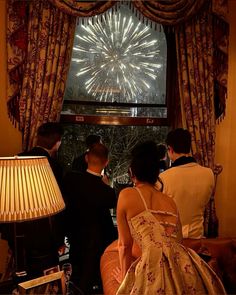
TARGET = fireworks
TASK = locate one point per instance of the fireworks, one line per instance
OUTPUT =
(118, 57)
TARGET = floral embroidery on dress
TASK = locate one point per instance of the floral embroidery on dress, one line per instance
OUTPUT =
(161, 291)
(166, 266)
(142, 220)
(191, 290)
(151, 277)
(188, 268)
(176, 257)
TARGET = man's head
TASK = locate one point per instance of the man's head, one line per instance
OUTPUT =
(92, 139)
(49, 136)
(178, 142)
(97, 157)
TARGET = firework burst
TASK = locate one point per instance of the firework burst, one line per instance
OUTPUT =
(118, 56)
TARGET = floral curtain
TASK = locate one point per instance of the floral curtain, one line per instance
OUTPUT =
(44, 62)
(17, 21)
(83, 8)
(220, 55)
(195, 71)
(44, 34)
(168, 12)
(50, 40)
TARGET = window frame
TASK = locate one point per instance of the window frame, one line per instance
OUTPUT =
(113, 120)
(172, 104)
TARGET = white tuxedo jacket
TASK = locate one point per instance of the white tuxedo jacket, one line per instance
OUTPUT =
(191, 186)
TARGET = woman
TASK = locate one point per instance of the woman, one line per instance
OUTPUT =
(149, 218)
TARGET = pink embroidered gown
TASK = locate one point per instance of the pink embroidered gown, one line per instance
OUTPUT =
(165, 266)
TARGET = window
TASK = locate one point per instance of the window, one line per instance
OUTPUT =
(116, 86)
(118, 69)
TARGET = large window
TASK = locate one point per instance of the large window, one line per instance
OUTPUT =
(116, 87)
(118, 69)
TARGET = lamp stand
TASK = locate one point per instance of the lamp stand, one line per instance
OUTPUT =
(19, 252)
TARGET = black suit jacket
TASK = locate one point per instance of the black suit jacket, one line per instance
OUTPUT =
(90, 227)
(88, 200)
(79, 164)
(56, 167)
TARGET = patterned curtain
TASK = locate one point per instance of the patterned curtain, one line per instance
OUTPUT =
(44, 34)
(50, 40)
(195, 70)
(220, 42)
(17, 20)
(83, 8)
(168, 12)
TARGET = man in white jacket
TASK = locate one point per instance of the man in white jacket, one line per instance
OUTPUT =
(189, 183)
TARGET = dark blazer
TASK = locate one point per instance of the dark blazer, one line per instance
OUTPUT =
(56, 167)
(90, 227)
(79, 164)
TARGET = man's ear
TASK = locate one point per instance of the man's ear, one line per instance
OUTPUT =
(170, 149)
(56, 146)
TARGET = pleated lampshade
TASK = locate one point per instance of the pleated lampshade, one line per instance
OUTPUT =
(28, 189)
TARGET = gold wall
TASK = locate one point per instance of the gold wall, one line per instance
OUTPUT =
(10, 137)
(226, 143)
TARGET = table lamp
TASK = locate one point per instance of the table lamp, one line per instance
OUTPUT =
(28, 191)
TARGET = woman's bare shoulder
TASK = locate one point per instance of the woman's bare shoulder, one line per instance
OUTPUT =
(127, 197)
(127, 191)
(168, 201)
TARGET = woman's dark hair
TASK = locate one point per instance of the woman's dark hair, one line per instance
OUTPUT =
(145, 162)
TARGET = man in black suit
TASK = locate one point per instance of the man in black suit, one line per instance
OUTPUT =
(90, 227)
(49, 137)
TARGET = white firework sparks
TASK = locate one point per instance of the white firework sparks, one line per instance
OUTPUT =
(118, 56)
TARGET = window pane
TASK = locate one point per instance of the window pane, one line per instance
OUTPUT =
(120, 140)
(117, 58)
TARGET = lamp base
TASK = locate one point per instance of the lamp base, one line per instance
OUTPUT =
(19, 277)
(21, 273)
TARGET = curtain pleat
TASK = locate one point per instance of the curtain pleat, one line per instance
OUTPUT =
(50, 41)
(83, 8)
(17, 24)
(169, 12)
(195, 71)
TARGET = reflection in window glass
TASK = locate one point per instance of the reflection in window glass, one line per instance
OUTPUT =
(117, 58)
(124, 111)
